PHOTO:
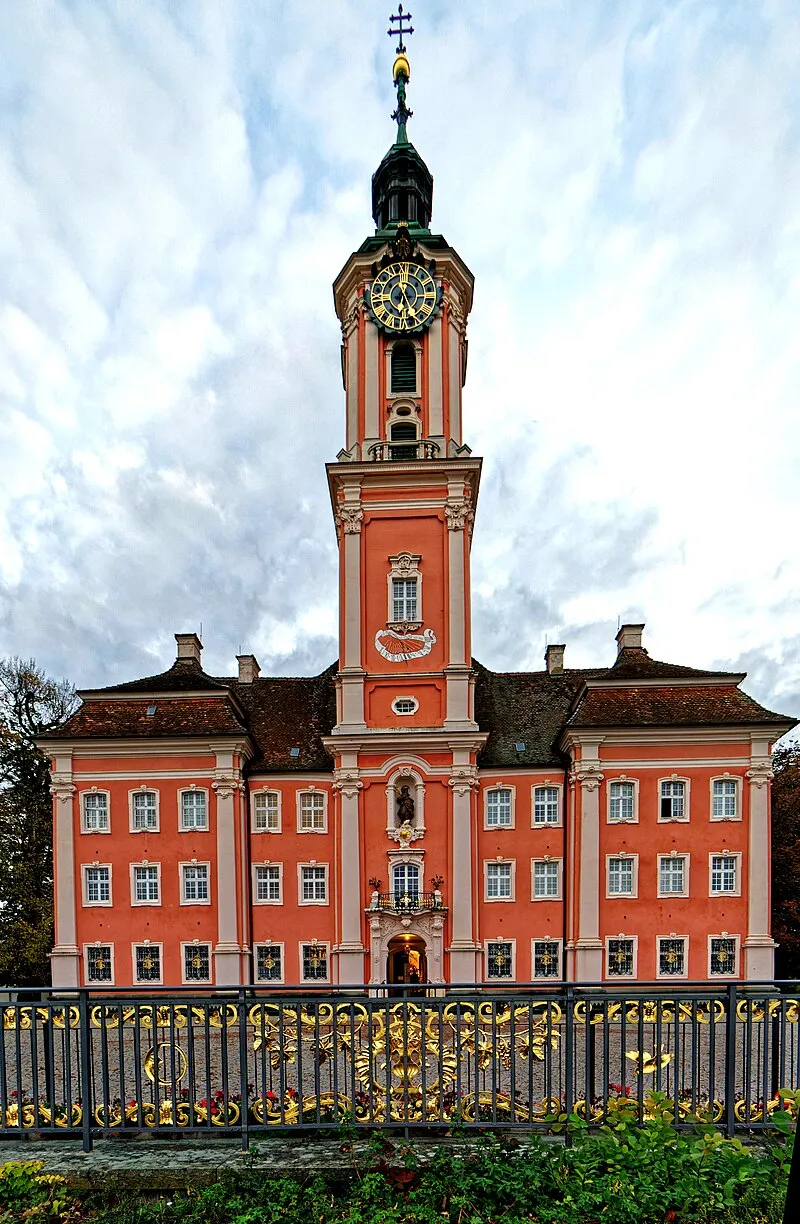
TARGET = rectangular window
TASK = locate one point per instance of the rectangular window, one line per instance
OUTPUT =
(269, 963)
(546, 958)
(194, 878)
(95, 812)
(498, 881)
(145, 814)
(266, 816)
(315, 962)
(672, 875)
(545, 879)
(197, 962)
(620, 877)
(619, 958)
(498, 808)
(725, 796)
(145, 884)
(621, 800)
(268, 883)
(545, 805)
(98, 963)
(98, 885)
(404, 599)
(673, 801)
(148, 962)
(723, 873)
(722, 956)
(194, 809)
(312, 810)
(499, 960)
(672, 957)
(314, 883)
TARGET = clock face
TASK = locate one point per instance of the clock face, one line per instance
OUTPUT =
(404, 297)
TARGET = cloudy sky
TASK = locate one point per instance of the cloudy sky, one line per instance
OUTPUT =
(181, 180)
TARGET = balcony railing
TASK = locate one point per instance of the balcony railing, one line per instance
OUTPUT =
(407, 903)
(424, 448)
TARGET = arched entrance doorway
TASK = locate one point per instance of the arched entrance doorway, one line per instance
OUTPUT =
(407, 963)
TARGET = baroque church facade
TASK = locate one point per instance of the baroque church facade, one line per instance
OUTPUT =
(409, 816)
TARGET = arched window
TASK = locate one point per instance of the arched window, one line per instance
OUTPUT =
(404, 368)
(405, 884)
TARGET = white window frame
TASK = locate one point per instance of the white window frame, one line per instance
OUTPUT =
(193, 790)
(269, 901)
(500, 862)
(622, 977)
(669, 858)
(549, 861)
(669, 977)
(547, 824)
(619, 896)
(737, 781)
(273, 945)
(736, 956)
(266, 791)
(512, 977)
(493, 790)
(149, 865)
(541, 977)
(182, 882)
(314, 901)
(687, 789)
(98, 943)
(94, 790)
(312, 790)
(144, 790)
(736, 891)
(622, 780)
(142, 943)
(403, 567)
(197, 943)
(404, 713)
(320, 943)
(85, 902)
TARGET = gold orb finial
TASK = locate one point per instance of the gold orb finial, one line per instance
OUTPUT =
(401, 66)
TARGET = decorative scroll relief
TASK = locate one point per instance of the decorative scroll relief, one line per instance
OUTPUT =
(459, 514)
(401, 653)
(351, 518)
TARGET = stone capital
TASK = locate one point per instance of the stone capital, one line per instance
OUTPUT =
(350, 518)
(458, 513)
(62, 788)
(225, 786)
(588, 775)
(760, 772)
(347, 782)
(463, 779)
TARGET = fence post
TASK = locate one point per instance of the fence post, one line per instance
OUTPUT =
(569, 1036)
(730, 1062)
(245, 1114)
(86, 1083)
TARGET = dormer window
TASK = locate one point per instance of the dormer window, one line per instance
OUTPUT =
(403, 368)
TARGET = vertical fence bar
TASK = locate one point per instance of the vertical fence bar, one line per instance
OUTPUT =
(86, 1083)
(569, 1041)
(730, 1062)
(244, 1118)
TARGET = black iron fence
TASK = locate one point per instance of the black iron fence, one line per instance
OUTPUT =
(252, 1059)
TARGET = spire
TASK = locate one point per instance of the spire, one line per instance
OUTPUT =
(401, 72)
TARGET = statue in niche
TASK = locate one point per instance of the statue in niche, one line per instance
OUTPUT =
(405, 808)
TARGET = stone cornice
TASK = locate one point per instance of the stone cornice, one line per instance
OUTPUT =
(383, 740)
(730, 733)
(90, 749)
(711, 681)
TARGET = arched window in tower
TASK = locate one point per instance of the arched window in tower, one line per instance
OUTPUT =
(404, 368)
(404, 432)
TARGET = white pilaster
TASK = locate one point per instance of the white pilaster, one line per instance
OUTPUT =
(759, 946)
(65, 956)
(434, 350)
(463, 781)
(351, 950)
(228, 951)
(588, 945)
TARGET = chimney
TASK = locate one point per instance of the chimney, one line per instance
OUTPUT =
(248, 668)
(629, 637)
(554, 659)
(189, 648)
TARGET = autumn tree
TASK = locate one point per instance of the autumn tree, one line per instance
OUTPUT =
(786, 860)
(30, 704)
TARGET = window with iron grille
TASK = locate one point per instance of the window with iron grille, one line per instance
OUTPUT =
(498, 808)
(197, 962)
(620, 877)
(315, 962)
(498, 880)
(145, 814)
(404, 599)
(545, 805)
(265, 811)
(98, 885)
(545, 879)
(671, 957)
(194, 810)
(672, 875)
(269, 966)
(145, 883)
(148, 963)
(98, 963)
(723, 956)
(312, 810)
(404, 368)
(195, 881)
(95, 812)
(405, 882)
(723, 873)
(314, 881)
(499, 960)
(622, 796)
(619, 958)
(268, 883)
(546, 958)
(673, 800)
(724, 799)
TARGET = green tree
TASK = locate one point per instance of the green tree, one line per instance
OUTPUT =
(30, 704)
(786, 860)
